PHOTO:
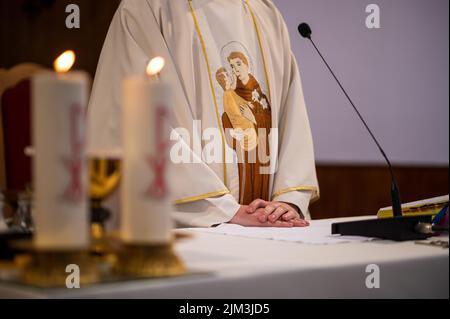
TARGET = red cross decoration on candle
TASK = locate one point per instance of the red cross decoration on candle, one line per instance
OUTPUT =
(74, 162)
(158, 162)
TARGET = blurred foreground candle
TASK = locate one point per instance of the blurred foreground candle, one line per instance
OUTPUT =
(146, 207)
(59, 167)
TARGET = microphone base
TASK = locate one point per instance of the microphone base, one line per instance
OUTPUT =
(401, 228)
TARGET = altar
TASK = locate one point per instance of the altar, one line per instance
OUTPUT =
(228, 266)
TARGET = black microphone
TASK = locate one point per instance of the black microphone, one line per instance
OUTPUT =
(305, 31)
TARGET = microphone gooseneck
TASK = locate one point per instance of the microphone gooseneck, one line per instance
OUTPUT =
(305, 31)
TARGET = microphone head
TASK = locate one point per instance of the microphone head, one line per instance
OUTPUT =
(305, 30)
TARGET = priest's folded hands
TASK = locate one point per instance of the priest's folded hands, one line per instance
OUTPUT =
(261, 213)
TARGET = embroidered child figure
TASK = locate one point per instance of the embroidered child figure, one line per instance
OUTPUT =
(238, 112)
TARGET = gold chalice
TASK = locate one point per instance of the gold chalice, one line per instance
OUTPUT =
(104, 177)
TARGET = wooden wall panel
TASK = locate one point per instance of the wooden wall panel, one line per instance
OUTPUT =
(362, 190)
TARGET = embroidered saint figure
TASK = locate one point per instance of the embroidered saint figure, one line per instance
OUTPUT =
(247, 121)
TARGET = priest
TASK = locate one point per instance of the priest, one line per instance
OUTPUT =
(223, 57)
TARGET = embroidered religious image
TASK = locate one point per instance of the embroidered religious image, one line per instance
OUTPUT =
(247, 121)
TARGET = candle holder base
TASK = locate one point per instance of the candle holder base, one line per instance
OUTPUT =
(148, 261)
(47, 269)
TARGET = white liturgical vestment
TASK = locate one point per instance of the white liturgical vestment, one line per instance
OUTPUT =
(232, 72)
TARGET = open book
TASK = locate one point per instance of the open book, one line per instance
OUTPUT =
(431, 206)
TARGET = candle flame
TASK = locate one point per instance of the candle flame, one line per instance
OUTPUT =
(64, 62)
(155, 66)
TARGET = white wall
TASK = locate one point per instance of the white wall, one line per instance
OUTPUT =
(398, 76)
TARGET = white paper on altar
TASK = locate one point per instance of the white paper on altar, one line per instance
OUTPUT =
(318, 233)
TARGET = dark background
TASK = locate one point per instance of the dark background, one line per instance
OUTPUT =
(34, 31)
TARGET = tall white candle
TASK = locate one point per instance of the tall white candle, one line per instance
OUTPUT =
(146, 207)
(59, 167)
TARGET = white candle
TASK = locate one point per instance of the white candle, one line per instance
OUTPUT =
(61, 214)
(146, 207)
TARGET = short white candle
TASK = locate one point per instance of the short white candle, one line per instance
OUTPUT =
(61, 213)
(146, 206)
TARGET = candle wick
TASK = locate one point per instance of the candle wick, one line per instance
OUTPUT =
(155, 76)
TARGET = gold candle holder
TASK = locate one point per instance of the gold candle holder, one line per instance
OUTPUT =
(148, 261)
(48, 268)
